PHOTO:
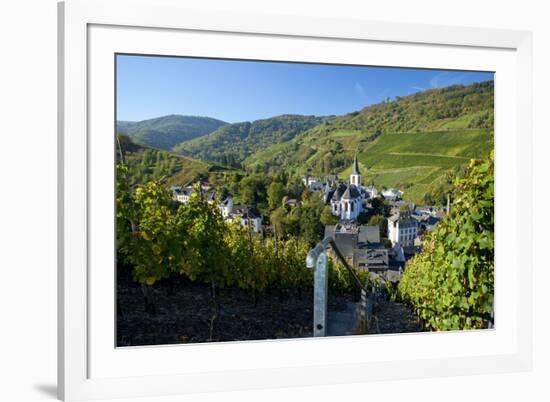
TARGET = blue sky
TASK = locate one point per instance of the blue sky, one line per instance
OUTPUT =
(234, 91)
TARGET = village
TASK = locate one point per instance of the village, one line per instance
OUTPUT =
(381, 249)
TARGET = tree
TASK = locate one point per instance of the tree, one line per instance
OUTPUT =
(327, 218)
(207, 257)
(157, 246)
(248, 195)
(381, 222)
(294, 187)
(308, 217)
(362, 218)
(149, 233)
(428, 199)
(125, 215)
(252, 189)
(241, 250)
(327, 163)
(278, 220)
(292, 265)
(306, 194)
(380, 206)
(275, 194)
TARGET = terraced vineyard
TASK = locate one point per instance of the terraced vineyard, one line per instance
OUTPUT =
(411, 143)
(414, 161)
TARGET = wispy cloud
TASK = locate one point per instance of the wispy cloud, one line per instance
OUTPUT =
(418, 88)
(360, 90)
(446, 78)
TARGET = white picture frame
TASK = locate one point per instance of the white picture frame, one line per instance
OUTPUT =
(90, 367)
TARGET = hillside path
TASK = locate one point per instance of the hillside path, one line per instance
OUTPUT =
(426, 154)
(392, 317)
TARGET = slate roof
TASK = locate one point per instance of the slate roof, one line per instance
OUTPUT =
(353, 240)
(183, 190)
(346, 243)
(351, 193)
(405, 221)
(369, 234)
(210, 196)
(408, 222)
(252, 214)
(373, 257)
(340, 190)
(244, 211)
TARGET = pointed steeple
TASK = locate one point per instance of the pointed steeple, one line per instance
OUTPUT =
(355, 170)
(355, 176)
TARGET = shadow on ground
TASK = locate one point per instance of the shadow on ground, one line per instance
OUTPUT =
(47, 389)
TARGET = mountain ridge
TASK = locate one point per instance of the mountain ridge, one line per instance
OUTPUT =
(411, 143)
(232, 143)
(438, 129)
(165, 132)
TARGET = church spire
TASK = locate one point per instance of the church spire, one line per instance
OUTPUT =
(355, 176)
(355, 166)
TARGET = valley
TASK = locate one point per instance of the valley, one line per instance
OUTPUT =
(409, 143)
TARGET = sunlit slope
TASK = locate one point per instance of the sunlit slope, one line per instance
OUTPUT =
(413, 162)
(409, 143)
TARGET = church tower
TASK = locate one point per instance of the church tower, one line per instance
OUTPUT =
(355, 177)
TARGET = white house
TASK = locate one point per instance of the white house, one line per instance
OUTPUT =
(182, 194)
(247, 217)
(310, 180)
(226, 207)
(316, 185)
(392, 194)
(371, 191)
(346, 201)
(402, 230)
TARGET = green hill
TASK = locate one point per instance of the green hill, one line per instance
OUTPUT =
(415, 143)
(409, 143)
(231, 144)
(414, 163)
(147, 163)
(168, 131)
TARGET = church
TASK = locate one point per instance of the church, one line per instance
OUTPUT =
(346, 201)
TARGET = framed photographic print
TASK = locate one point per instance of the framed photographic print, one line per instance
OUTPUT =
(254, 201)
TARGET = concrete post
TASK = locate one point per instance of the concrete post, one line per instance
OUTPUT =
(320, 293)
(317, 260)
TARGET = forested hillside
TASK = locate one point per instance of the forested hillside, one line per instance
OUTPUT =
(168, 131)
(416, 143)
(146, 164)
(409, 143)
(231, 144)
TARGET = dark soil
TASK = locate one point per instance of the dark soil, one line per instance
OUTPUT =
(184, 314)
(393, 317)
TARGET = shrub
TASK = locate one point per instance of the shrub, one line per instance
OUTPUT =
(451, 282)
